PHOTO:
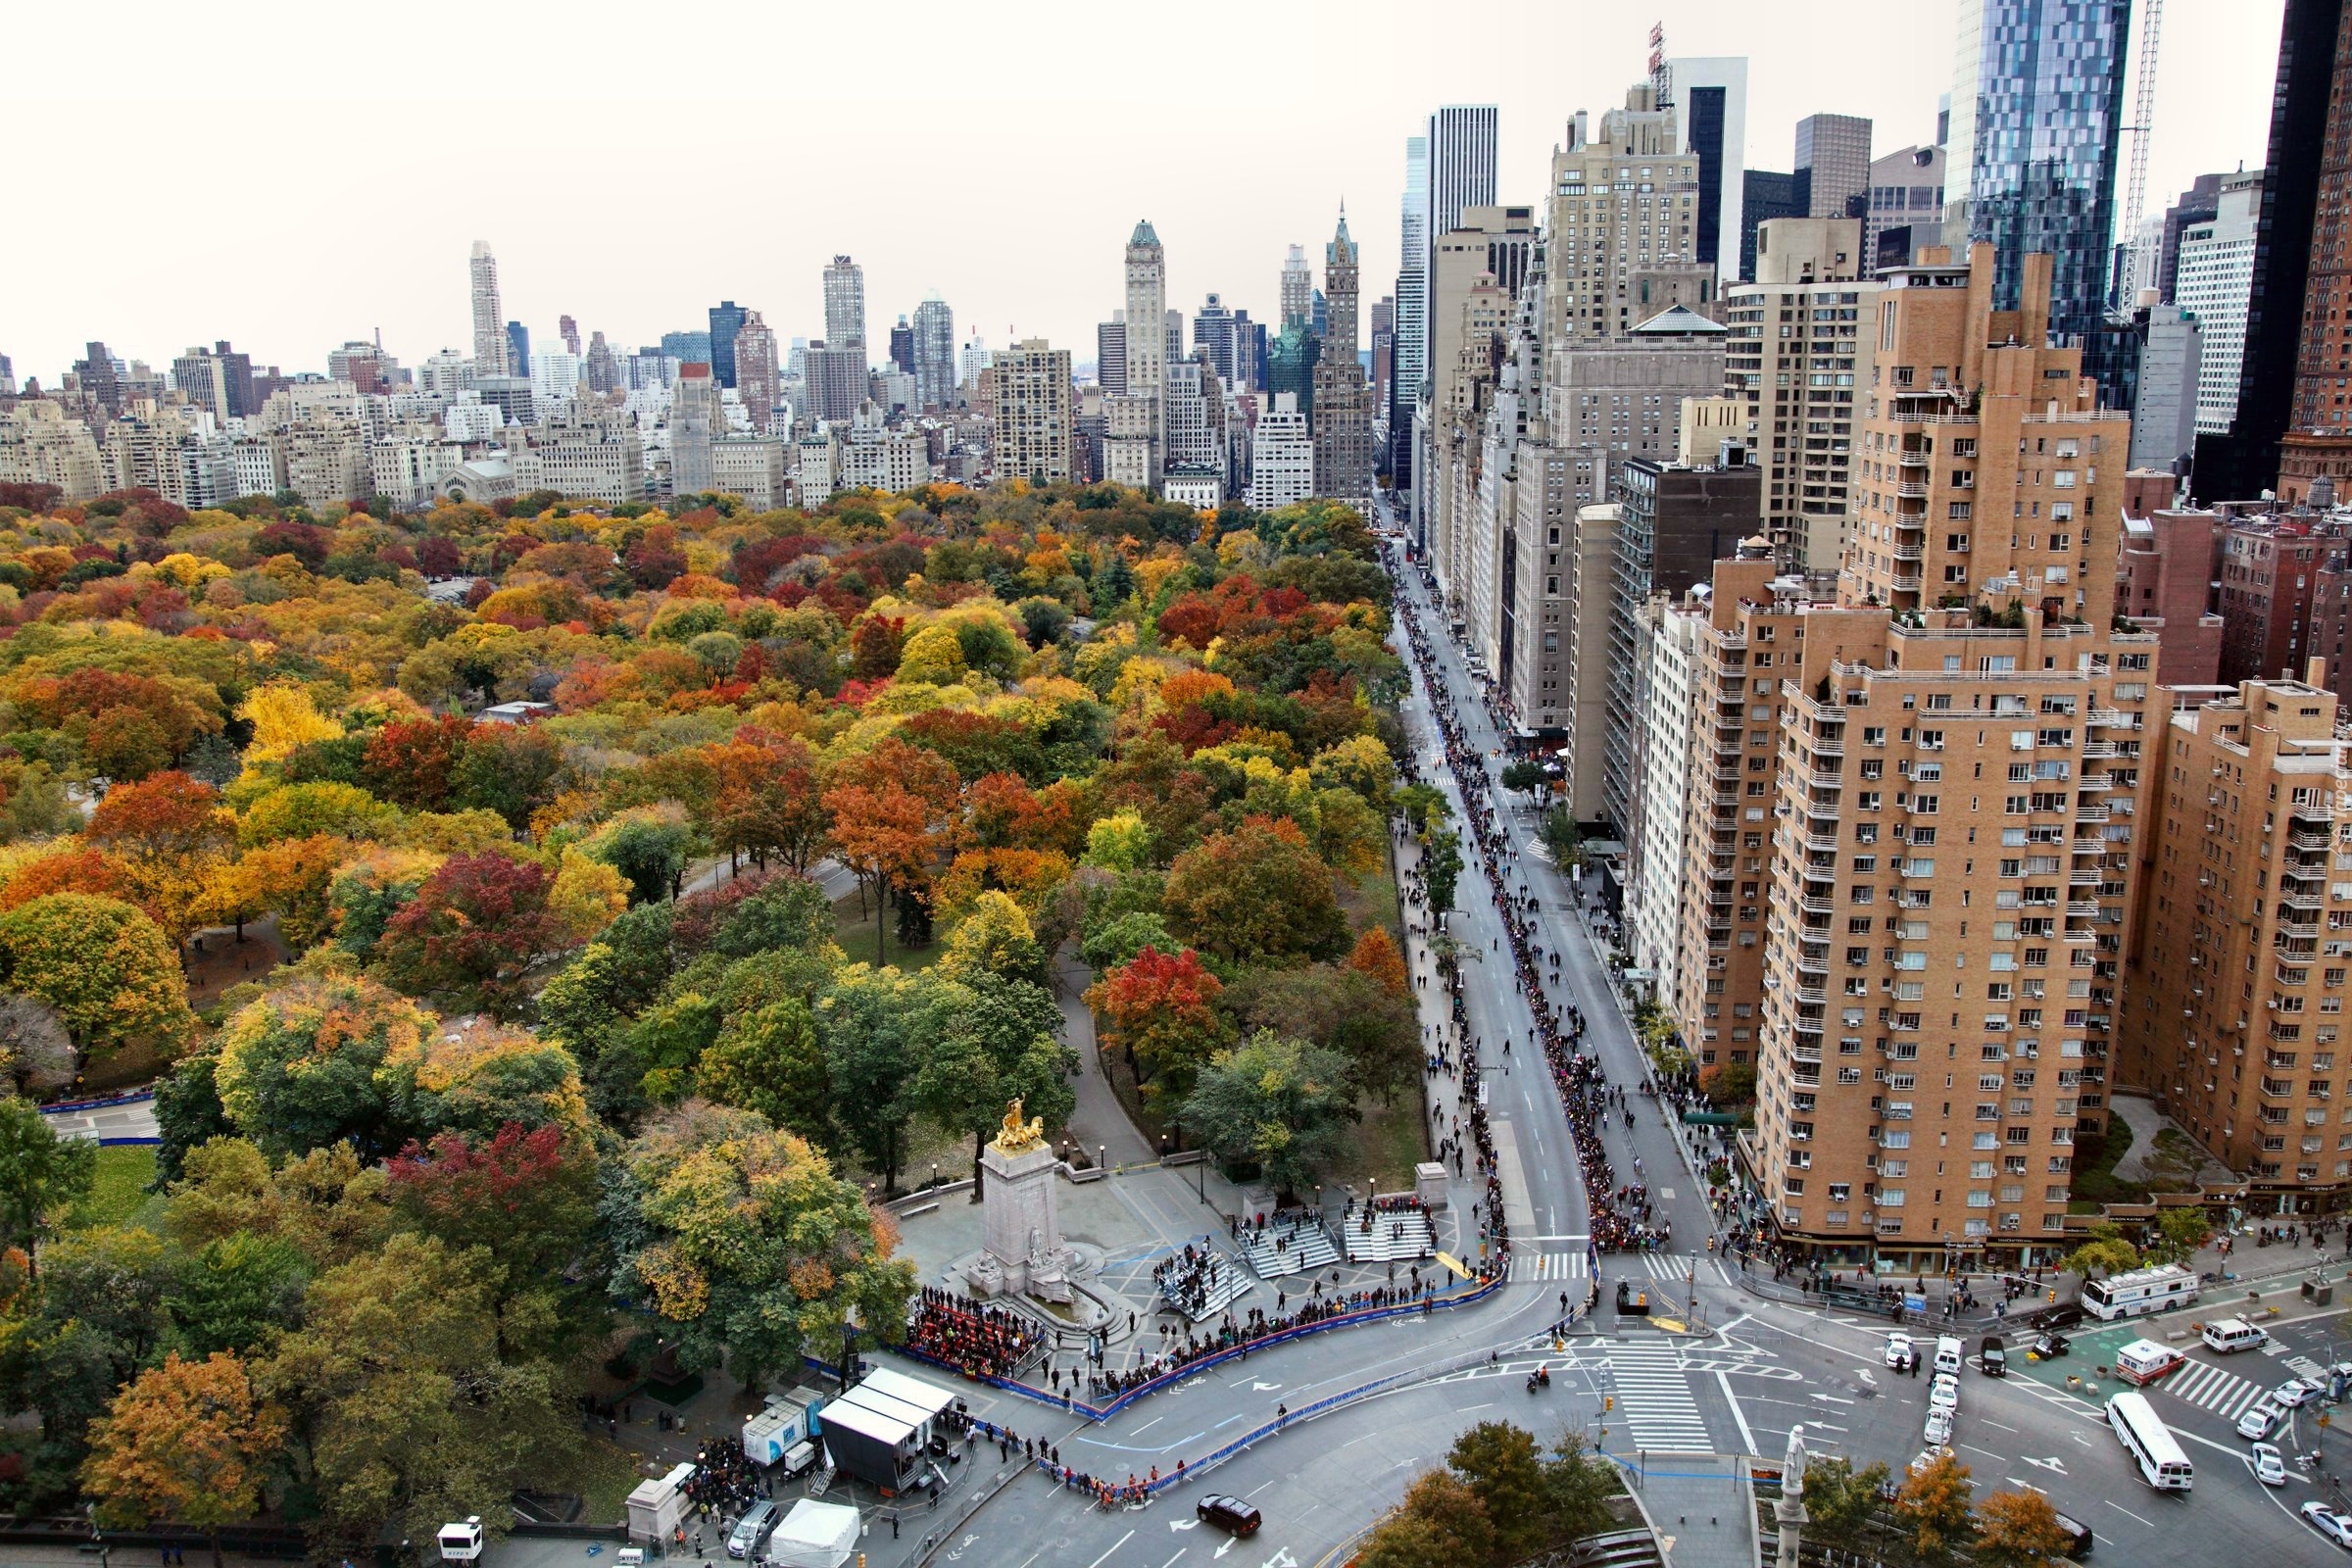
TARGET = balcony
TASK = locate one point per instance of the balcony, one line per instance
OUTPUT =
(1813, 964)
(2297, 926)
(1911, 490)
(2311, 843)
(1824, 779)
(1821, 843)
(2085, 877)
(1910, 553)
(1912, 460)
(1817, 905)
(1904, 582)
(2107, 718)
(2092, 814)
(2321, 810)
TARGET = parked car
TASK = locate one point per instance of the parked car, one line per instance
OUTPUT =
(759, 1522)
(2050, 1346)
(1230, 1514)
(2296, 1392)
(1929, 1456)
(1900, 1351)
(2337, 1527)
(1940, 1427)
(2064, 1315)
(2260, 1419)
(1945, 1392)
(2270, 1466)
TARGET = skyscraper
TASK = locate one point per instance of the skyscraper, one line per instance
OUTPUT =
(1462, 162)
(934, 351)
(1342, 408)
(1712, 97)
(1110, 353)
(1146, 306)
(1413, 312)
(756, 369)
(2318, 432)
(2311, 62)
(845, 303)
(726, 316)
(2214, 275)
(2038, 94)
(569, 331)
(1298, 290)
(902, 346)
(1212, 330)
(519, 351)
(1032, 407)
(1833, 163)
(489, 333)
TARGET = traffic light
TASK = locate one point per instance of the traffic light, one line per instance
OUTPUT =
(1609, 1402)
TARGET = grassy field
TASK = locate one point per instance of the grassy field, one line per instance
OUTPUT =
(120, 1196)
(1388, 1141)
(604, 1474)
(855, 931)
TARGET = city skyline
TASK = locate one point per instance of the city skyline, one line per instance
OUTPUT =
(1347, 142)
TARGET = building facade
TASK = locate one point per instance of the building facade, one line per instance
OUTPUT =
(1146, 338)
(1033, 415)
(2214, 284)
(489, 318)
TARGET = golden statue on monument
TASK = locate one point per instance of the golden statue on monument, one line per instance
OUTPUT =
(1018, 1136)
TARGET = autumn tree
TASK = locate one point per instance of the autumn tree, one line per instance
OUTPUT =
(1842, 1500)
(191, 1442)
(1161, 1011)
(313, 1063)
(2106, 1249)
(1256, 895)
(770, 802)
(742, 1241)
(104, 966)
(1932, 1507)
(2019, 1530)
(1439, 1524)
(475, 929)
(414, 762)
(996, 937)
(1375, 955)
(168, 831)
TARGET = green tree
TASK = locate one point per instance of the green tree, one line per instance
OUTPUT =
(313, 1063)
(1280, 1104)
(1841, 1500)
(771, 1061)
(1342, 1009)
(1109, 943)
(1580, 1484)
(649, 846)
(2179, 1232)
(40, 1174)
(1442, 869)
(870, 1061)
(1525, 776)
(996, 939)
(108, 969)
(405, 1413)
(984, 1043)
(187, 1113)
(234, 1294)
(1506, 1471)
(1563, 838)
(2105, 1249)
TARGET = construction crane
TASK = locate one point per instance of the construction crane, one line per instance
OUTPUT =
(2143, 114)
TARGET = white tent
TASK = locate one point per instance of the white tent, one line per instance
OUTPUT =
(815, 1535)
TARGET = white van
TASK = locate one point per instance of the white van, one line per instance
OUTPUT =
(1948, 1353)
(2232, 1333)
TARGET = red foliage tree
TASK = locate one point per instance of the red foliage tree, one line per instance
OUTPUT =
(1162, 1009)
(475, 929)
(414, 762)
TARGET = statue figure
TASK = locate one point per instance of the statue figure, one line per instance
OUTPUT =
(1793, 1473)
(1018, 1136)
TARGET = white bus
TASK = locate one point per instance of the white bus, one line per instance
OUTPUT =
(2139, 1293)
(2149, 1440)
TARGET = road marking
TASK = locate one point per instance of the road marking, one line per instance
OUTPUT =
(1227, 1421)
(2026, 1485)
(1114, 1545)
(1139, 1431)
(1467, 1408)
(1172, 1561)
(1832, 1397)
(2126, 1512)
(1747, 1438)
(1183, 1524)
(2052, 1463)
(1352, 1441)
(1997, 1458)
(1255, 1491)
(1988, 1421)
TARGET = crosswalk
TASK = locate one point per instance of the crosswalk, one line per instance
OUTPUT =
(2211, 1387)
(1535, 1266)
(1654, 1399)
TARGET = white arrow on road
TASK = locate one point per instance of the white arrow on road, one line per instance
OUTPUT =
(1228, 1547)
(1282, 1558)
(1829, 1398)
(1183, 1524)
(1263, 1388)
(2050, 1463)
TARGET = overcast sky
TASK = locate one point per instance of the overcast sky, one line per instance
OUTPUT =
(292, 176)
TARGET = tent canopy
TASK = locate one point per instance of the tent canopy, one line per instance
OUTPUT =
(815, 1535)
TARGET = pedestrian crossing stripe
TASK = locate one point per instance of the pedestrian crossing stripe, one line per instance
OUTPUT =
(1653, 1395)
(1537, 1267)
(2210, 1388)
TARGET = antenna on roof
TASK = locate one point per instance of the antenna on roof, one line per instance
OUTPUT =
(1661, 74)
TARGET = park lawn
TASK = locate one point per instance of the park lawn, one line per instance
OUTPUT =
(1371, 902)
(118, 1194)
(602, 1475)
(855, 931)
(1388, 1141)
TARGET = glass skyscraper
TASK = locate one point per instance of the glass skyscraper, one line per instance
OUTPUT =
(2037, 97)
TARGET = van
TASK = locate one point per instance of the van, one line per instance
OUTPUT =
(1992, 1355)
(1948, 1353)
(2143, 1361)
(759, 1522)
(2232, 1333)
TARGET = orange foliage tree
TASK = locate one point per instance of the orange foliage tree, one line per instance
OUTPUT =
(189, 1442)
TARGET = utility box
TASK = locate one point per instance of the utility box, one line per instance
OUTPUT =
(788, 1421)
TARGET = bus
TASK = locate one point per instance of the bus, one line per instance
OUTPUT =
(2139, 1293)
(2151, 1442)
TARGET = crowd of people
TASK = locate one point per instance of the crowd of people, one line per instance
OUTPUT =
(1276, 1230)
(1189, 1280)
(724, 1485)
(1317, 1305)
(980, 1341)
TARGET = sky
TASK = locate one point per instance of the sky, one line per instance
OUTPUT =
(290, 176)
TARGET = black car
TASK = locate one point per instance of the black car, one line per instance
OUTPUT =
(1229, 1513)
(2050, 1346)
(1992, 1357)
(2064, 1315)
(2077, 1538)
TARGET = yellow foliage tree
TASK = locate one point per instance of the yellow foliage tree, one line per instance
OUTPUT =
(283, 718)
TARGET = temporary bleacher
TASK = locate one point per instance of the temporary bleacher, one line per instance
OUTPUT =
(1294, 1242)
(1395, 1236)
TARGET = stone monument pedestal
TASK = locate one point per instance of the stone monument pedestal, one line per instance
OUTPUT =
(1022, 1252)
(1429, 1184)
